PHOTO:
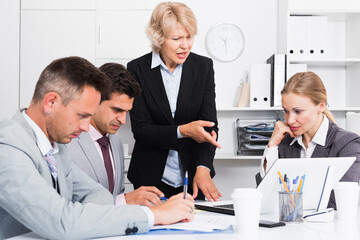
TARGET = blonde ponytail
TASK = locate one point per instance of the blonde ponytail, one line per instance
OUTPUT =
(329, 115)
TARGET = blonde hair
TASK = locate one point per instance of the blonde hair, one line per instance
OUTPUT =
(164, 19)
(308, 84)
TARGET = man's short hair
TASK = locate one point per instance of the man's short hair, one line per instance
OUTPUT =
(122, 81)
(68, 76)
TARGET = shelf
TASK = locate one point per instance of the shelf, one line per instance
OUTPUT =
(237, 109)
(326, 62)
(234, 156)
(333, 16)
(345, 109)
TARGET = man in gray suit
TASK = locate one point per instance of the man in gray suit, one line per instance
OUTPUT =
(41, 190)
(86, 152)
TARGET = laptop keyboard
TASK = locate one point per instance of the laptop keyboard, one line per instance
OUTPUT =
(228, 206)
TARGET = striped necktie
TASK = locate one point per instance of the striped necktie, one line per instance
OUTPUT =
(51, 161)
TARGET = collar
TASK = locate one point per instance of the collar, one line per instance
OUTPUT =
(320, 135)
(156, 61)
(41, 140)
(95, 134)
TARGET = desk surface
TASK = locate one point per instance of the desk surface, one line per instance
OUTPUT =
(298, 231)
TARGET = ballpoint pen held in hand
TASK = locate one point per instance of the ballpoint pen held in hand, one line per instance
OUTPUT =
(185, 184)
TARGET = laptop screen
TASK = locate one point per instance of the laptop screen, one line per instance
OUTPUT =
(314, 191)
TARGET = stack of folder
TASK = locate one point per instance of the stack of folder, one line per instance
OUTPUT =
(253, 136)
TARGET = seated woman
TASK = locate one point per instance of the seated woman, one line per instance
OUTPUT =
(310, 129)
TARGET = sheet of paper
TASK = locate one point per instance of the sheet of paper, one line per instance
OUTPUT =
(202, 222)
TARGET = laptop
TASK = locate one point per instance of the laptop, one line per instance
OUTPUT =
(317, 187)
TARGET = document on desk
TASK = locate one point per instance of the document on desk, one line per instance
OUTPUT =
(201, 223)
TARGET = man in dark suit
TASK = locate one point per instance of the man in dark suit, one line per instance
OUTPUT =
(174, 120)
(86, 150)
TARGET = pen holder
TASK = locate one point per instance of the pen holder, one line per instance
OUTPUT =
(290, 206)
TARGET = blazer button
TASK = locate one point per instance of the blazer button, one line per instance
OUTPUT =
(128, 231)
(135, 229)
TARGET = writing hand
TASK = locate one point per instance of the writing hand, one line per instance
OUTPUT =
(175, 209)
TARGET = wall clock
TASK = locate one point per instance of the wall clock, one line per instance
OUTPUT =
(225, 42)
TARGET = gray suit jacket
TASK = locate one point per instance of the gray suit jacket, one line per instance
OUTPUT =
(83, 153)
(339, 143)
(29, 202)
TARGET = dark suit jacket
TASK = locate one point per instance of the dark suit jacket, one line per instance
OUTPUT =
(154, 128)
(339, 143)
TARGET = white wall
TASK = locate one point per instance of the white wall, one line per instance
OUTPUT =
(9, 57)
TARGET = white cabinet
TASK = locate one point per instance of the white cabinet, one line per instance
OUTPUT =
(339, 66)
(117, 39)
(48, 35)
(58, 5)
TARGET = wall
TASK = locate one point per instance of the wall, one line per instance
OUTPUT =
(9, 57)
(257, 19)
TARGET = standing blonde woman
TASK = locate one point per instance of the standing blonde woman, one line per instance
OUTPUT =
(310, 129)
(174, 119)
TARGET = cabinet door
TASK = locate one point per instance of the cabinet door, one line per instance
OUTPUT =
(121, 34)
(56, 4)
(48, 35)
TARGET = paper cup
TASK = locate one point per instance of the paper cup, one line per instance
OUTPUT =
(347, 197)
(247, 203)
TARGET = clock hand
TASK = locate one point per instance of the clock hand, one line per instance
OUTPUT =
(225, 43)
(224, 39)
(226, 46)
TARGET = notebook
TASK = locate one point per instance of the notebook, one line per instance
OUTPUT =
(314, 191)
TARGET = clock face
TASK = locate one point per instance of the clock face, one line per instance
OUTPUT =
(225, 42)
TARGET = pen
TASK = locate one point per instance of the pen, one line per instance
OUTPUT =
(298, 197)
(163, 198)
(185, 184)
(295, 181)
(286, 188)
(281, 186)
(282, 180)
(301, 184)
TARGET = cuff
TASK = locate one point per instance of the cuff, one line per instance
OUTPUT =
(271, 155)
(203, 167)
(178, 133)
(120, 200)
(150, 216)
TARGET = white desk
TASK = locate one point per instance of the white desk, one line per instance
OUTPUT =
(296, 231)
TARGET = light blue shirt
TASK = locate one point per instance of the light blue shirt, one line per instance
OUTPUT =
(173, 173)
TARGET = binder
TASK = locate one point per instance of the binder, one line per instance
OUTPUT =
(307, 37)
(259, 78)
(297, 37)
(317, 36)
(277, 77)
(294, 68)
